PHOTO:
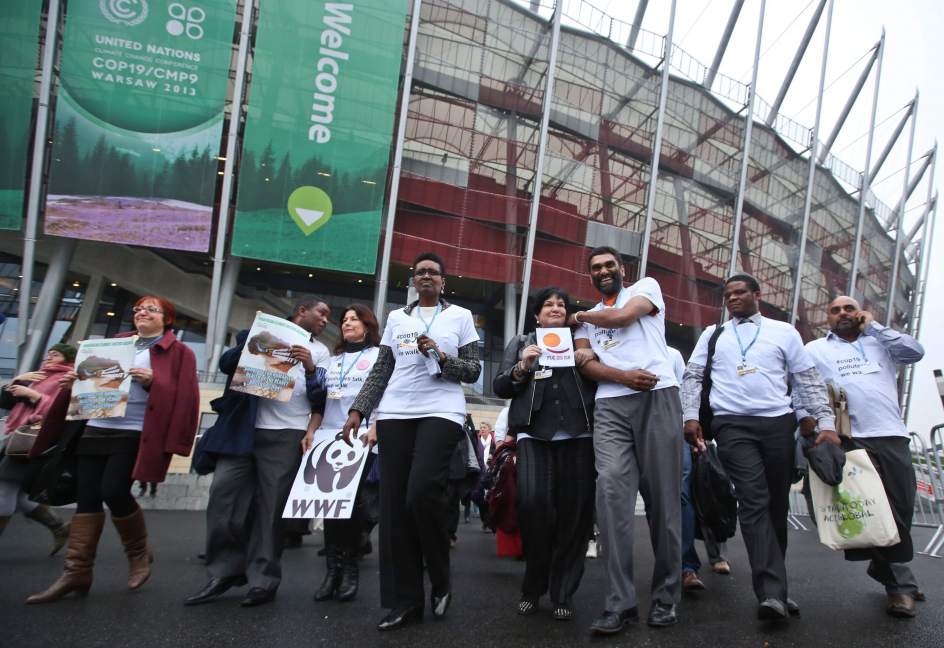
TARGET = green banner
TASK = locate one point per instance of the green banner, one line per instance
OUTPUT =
(318, 131)
(139, 119)
(19, 53)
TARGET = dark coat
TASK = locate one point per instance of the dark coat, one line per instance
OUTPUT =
(233, 433)
(170, 420)
(527, 396)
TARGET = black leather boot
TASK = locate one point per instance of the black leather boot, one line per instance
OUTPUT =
(349, 576)
(332, 577)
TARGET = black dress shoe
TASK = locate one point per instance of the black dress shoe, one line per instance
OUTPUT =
(400, 617)
(662, 615)
(439, 604)
(793, 608)
(257, 596)
(214, 588)
(612, 622)
(771, 609)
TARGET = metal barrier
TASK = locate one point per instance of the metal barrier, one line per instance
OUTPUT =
(797, 507)
(929, 500)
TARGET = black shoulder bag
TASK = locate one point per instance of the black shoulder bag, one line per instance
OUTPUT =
(705, 415)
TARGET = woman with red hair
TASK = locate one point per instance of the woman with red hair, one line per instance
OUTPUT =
(160, 421)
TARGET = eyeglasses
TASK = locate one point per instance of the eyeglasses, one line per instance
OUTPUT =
(147, 309)
(431, 272)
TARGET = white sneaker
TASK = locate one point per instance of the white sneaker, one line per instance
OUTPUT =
(592, 549)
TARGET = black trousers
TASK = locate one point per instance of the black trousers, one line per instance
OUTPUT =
(757, 453)
(105, 478)
(345, 535)
(556, 489)
(414, 507)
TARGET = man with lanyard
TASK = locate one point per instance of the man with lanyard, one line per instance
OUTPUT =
(754, 426)
(244, 511)
(636, 438)
(861, 357)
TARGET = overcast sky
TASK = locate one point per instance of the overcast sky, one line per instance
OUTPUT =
(913, 58)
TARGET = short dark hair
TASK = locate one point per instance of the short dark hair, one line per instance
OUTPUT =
(746, 278)
(304, 303)
(431, 256)
(604, 249)
(544, 294)
(366, 316)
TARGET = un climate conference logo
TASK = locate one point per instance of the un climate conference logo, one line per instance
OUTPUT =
(124, 12)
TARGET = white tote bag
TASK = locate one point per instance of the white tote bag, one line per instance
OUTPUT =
(855, 514)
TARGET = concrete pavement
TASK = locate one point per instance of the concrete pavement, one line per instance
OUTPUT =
(841, 606)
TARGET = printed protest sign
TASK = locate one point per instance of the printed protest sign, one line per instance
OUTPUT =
(266, 367)
(104, 381)
(557, 347)
(327, 480)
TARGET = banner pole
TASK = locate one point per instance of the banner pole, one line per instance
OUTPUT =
(380, 294)
(538, 183)
(36, 175)
(213, 342)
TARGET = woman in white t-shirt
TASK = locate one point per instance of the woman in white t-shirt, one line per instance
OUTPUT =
(427, 350)
(354, 357)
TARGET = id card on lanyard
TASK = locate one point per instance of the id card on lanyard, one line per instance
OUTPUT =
(744, 368)
(431, 357)
(335, 394)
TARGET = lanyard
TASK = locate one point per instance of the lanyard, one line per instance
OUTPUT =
(429, 325)
(858, 345)
(343, 374)
(741, 344)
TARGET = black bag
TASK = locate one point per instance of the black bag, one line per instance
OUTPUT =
(713, 495)
(55, 483)
(705, 415)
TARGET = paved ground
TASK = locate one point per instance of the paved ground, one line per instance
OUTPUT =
(841, 606)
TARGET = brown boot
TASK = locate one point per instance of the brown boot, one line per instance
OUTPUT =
(84, 532)
(134, 538)
(4, 520)
(48, 518)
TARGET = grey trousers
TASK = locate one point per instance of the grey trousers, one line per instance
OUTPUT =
(244, 512)
(638, 446)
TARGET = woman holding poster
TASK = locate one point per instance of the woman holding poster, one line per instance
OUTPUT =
(551, 417)
(160, 420)
(427, 350)
(354, 357)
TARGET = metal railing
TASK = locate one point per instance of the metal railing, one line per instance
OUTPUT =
(929, 501)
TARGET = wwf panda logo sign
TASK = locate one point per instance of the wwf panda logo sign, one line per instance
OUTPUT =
(327, 479)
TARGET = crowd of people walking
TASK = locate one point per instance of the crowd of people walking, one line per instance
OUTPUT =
(578, 444)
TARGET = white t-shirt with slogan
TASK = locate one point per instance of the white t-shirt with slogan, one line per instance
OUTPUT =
(641, 345)
(412, 392)
(346, 375)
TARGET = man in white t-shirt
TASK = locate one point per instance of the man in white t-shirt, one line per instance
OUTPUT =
(861, 356)
(252, 489)
(636, 437)
(755, 361)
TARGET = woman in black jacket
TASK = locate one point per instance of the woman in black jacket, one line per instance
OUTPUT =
(551, 416)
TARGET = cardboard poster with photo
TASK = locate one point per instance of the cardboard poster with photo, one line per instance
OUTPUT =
(557, 347)
(104, 379)
(327, 480)
(266, 367)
